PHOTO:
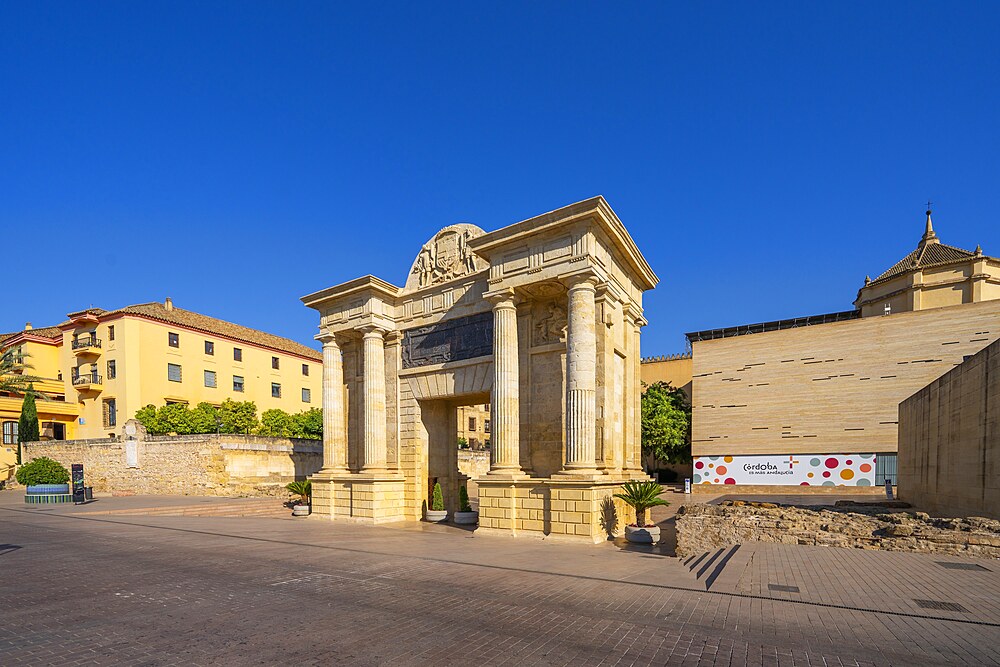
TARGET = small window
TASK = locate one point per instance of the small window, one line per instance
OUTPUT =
(111, 332)
(10, 433)
(275, 363)
(486, 426)
(110, 413)
(112, 370)
(306, 396)
(275, 390)
(305, 369)
(472, 423)
(174, 372)
(210, 379)
(209, 347)
(174, 339)
(237, 354)
(238, 383)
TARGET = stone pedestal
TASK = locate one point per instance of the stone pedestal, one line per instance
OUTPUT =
(560, 508)
(360, 497)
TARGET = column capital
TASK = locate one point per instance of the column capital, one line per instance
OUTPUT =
(328, 340)
(373, 331)
(503, 298)
(587, 280)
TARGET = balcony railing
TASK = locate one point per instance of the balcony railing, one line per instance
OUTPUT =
(86, 378)
(86, 342)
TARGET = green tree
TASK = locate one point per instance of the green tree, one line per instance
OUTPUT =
(641, 496)
(147, 417)
(437, 498)
(27, 425)
(204, 418)
(666, 423)
(42, 470)
(275, 424)
(175, 418)
(307, 424)
(238, 416)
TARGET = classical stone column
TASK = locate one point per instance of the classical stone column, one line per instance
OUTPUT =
(334, 431)
(505, 439)
(374, 400)
(581, 376)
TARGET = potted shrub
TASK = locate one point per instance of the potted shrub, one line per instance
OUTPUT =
(465, 515)
(437, 513)
(641, 496)
(43, 476)
(304, 491)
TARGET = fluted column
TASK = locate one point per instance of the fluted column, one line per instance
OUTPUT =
(505, 439)
(581, 377)
(334, 431)
(374, 400)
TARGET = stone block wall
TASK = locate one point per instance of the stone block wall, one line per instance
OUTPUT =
(702, 528)
(473, 464)
(551, 509)
(949, 440)
(206, 465)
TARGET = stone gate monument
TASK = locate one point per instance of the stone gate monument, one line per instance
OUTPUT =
(540, 319)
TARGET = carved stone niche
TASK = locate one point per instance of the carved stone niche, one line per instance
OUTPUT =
(548, 313)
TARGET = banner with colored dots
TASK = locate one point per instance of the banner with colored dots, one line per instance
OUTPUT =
(797, 469)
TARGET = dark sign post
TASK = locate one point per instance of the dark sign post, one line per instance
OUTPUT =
(79, 493)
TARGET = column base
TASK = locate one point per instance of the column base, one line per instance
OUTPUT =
(365, 497)
(563, 507)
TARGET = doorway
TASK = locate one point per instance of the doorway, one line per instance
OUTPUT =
(458, 449)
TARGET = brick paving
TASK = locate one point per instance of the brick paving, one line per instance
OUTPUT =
(158, 590)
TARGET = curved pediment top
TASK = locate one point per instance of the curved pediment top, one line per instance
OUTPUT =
(445, 257)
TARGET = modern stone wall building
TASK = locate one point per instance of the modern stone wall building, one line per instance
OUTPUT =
(949, 440)
(540, 319)
(813, 401)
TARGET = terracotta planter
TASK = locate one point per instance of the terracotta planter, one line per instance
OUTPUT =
(436, 516)
(467, 518)
(644, 535)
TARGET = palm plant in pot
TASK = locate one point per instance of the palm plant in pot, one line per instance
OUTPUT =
(303, 489)
(641, 496)
(437, 513)
(465, 515)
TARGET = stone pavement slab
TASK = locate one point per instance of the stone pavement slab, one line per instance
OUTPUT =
(183, 590)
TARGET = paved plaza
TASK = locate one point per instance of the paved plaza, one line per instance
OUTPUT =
(106, 584)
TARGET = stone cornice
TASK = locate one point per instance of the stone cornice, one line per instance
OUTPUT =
(368, 283)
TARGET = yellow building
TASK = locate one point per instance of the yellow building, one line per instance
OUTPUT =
(474, 425)
(100, 367)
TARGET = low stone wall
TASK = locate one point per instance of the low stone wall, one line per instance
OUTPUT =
(702, 528)
(473, 464)
(204, 465)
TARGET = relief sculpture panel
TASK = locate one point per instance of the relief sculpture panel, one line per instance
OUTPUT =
(451, 340)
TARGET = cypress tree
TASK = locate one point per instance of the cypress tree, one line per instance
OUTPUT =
(27, 425)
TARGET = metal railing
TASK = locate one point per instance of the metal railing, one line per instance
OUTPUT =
(86, 378)
(85, 342)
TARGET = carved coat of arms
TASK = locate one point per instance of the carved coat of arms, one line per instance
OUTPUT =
(446, 256)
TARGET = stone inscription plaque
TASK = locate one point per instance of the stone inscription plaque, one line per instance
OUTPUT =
(451, 340)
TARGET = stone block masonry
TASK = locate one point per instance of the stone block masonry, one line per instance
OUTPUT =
(203, 465)
(702, 528)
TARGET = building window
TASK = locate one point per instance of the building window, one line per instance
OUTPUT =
(209, 347)
(110, 413)
(237, 354)
(887, 309)
(306, 395)
(111, 332)
(305, 369)
(174, 339)
(275, 363)
(174, 372)
(112, 370)
(210, 379)
(238, 383)
(486, 426)
(472, 423)
(10, 433)
(275, 390)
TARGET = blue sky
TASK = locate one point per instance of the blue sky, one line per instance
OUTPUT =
(236, 156)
